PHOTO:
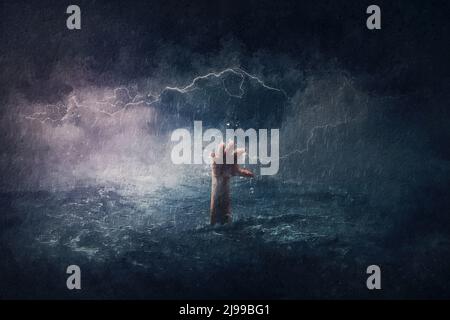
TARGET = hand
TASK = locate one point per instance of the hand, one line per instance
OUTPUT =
(225, 170)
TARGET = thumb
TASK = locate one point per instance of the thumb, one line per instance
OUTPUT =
(244, 172)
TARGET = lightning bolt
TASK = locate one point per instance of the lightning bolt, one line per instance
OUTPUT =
(312, 134)
(237, 71)
(151, 98)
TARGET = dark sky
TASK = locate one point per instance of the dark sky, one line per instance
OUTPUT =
(121, 41)
(410, 53)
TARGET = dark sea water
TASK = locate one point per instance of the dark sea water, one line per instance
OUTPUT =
(286, 241)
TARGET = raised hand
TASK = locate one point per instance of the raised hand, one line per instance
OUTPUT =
(222, 171)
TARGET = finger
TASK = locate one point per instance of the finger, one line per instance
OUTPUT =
(229, 153)
(220, 148)
(244, 172)
(220, 154)
(230, 147)
(239, 151)
(238, 155)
